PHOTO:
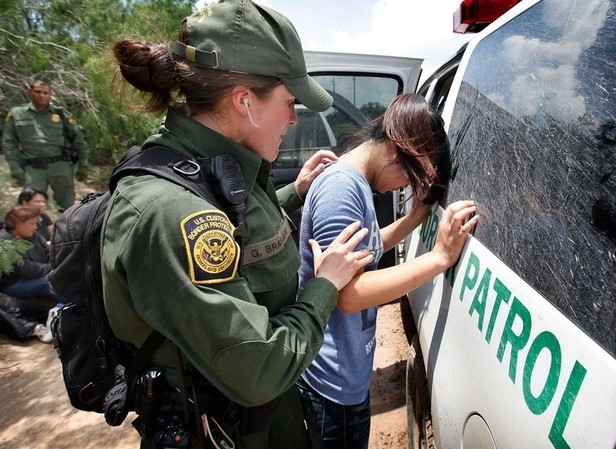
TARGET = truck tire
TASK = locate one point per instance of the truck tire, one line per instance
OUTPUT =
(406, 316)
(419, 415)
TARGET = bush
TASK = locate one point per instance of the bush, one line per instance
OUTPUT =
(7, 200)
(11, 251)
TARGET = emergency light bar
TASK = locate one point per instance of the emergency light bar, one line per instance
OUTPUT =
(475, 15)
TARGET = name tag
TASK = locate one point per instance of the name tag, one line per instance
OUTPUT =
(268, 248)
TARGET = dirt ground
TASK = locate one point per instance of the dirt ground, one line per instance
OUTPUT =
(36, 414)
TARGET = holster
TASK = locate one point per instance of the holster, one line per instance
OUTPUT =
(70, 155)
(162, 410)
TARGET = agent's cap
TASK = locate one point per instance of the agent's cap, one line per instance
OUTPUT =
(241, 36)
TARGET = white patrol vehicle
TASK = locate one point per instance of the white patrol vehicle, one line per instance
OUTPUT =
(515, 347)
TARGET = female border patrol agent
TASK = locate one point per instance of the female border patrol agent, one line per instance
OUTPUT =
(228, 85)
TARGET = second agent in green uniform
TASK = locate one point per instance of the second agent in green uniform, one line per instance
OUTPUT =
(38, 142)
(170, 260)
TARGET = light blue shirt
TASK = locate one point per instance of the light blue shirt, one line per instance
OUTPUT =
(339, 196)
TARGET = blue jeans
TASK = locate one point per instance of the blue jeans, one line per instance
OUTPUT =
(334, 426)
(33, 288)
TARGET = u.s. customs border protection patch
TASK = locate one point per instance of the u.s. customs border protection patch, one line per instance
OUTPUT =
(213, 254)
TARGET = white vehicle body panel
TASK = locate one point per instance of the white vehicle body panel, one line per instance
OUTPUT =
(475, 381)
(557, 391)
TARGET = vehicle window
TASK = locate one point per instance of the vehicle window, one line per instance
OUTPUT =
(357, 99)
(312, 132)
(443, 87)
(440, 92)
(533, 136)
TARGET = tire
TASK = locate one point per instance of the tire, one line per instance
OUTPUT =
(419, 415)
(408, 322)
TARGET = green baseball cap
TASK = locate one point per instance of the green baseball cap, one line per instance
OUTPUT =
(241, 36)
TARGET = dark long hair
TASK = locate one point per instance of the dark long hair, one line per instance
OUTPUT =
(422, 144)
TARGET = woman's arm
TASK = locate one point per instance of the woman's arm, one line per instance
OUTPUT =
(373, 288)
(395, 232)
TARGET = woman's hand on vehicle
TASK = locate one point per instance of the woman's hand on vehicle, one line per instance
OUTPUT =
(456, 224)
(339, 262)
(311, 169)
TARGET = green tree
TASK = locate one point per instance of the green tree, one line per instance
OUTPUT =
(67, 43)
(11, 253)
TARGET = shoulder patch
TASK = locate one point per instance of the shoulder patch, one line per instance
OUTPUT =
(213, 254)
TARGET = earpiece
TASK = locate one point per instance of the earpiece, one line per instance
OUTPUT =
(246, 102)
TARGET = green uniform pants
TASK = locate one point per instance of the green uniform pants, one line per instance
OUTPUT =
(287, 429)
(58, 175)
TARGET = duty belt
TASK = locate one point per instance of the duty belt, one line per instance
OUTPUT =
(42, 161)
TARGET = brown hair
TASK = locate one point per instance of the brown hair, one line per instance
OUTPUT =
(17, 215)
(419, 135)
(168, 80)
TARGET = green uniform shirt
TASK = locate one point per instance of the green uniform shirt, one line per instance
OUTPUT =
(169, 263)
(29, 133)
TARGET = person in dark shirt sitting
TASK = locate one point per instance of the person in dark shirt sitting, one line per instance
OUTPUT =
(37, 199)
(29, 279)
